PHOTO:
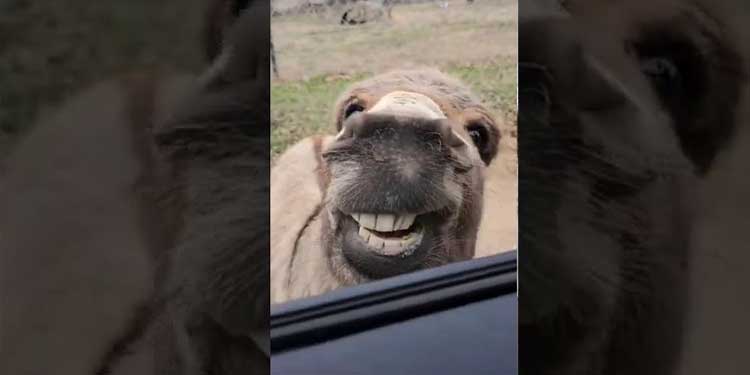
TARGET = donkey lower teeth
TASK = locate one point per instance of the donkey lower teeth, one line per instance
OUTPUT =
(390, 243)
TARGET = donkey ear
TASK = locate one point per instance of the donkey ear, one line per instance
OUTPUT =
(219, 16)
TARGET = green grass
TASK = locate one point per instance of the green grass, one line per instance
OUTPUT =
(494, 83)
(303, 108)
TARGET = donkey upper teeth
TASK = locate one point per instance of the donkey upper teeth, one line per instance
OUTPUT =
(404, 221)
(367, 220)
(385, 222)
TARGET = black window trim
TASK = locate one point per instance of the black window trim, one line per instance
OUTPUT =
(363, 307)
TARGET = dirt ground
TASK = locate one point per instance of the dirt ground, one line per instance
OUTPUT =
(499, 229)
(309, 45)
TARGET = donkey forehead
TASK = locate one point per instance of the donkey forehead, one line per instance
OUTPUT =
(408, 104)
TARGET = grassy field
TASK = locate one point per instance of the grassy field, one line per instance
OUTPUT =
(50, 49)
(303, 108)
(318, 59)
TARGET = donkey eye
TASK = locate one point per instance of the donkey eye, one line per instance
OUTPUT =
(352, 109)
(478, 135)
(673, 65)
(662, 67)
(663, 73)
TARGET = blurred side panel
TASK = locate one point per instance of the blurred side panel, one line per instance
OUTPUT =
(133, 187)
(632, 133)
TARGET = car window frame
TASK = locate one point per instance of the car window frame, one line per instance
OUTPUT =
(351, 310)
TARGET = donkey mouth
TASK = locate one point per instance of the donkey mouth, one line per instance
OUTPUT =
(380, 245)
(389, 234)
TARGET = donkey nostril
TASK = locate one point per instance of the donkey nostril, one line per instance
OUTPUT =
(352, 109)
(344, 133)
(455, 140)
(449, 136)
(351, 126)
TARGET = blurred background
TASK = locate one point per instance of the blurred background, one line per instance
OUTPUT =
(50, 49)
(322, 46)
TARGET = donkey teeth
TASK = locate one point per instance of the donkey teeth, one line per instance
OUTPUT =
(393, 247)
(376, 242)
(404, 221)
(367, 220)
(384, 222)
(364, 233)
(389, 245)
